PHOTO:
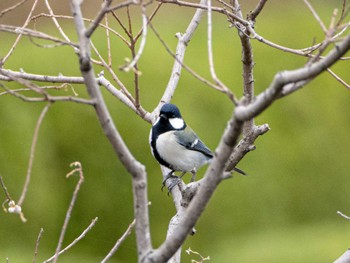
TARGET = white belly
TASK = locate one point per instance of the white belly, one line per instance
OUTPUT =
(180, 158)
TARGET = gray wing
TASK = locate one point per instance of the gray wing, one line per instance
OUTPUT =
(190, 140)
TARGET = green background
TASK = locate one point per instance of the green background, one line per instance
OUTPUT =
(284, 211)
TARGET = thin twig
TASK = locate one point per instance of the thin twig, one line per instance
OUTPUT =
(338, 78)
(9, 75)
(78, 168)
(13, 207)
(314, 13)
(32, 33)
(48, 98)
(37, 245)
(247, 66)
(149, 20)
(342, 215)
(58, 26)
(114, 75)
(5, 190)
(119, 242)
(205, 7)
(123, 4)
(132, 64)
(182, 64)
(210, 56)
(81, 236)
(108, 43)
(19, 36)
(85, 19)
(32, 153)
(9, 9)
(103, 10)
(254, 13)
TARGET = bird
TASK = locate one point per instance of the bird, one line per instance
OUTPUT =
(176, 146)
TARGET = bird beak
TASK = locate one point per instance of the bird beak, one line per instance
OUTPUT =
(162, 116)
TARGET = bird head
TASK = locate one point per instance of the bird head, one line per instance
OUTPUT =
(170, 118)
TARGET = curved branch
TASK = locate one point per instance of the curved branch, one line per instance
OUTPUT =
(281, 79)
(136, 169)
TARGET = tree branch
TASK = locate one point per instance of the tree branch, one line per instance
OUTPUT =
(284, 78)
(208, 184)
(136, 169)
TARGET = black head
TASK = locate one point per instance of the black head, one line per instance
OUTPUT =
(169, 111)
(169, 120)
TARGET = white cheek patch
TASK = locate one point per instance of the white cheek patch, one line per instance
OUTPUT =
(177, 123)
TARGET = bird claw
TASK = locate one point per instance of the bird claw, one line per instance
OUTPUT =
(176, 180)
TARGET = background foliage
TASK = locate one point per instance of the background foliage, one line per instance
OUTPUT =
(284, 211)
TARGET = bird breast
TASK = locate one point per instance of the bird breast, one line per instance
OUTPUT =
(177, 156)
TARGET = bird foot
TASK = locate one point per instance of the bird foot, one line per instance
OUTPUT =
(175, 181)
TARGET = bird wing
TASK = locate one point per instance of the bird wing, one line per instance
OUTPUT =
(190, 140)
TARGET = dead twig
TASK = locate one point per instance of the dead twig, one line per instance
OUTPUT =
(81, 236)
(119, 241)
(78, 168)
(32, 153)
(37, 244)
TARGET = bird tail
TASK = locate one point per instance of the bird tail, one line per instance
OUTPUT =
(239, 171)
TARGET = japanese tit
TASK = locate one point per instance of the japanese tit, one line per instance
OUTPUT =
(176, 146)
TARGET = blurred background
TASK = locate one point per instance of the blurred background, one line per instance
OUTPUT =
(284, 211)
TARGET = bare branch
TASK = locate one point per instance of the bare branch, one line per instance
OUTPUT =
(123, 4)
(119, 242)
(211, 59)
(254, 13)
(136, 58)
(205, 191)
(8, 197)
(205, 7)
(78, 168)
(85, 19)
(345, 258)
(281, 79)
(31, 33)
(123, 98)
(52, 15)
(13, 207)
(32, 153)
(36, 77)
(103, 10)
(9, 9)
(245, 145)
(342, 215)
(180, 54)
(37, 244)
(136, 169)
(81, 236)
(183, 65)
(108, 43)
(338, 78)
(20, 33)
(247, 65)
(314, 13)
